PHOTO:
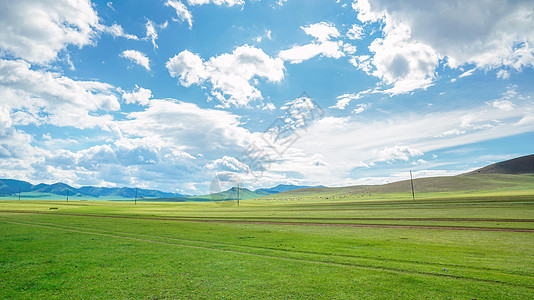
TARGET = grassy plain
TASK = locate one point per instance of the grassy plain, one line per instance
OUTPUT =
(436, 247)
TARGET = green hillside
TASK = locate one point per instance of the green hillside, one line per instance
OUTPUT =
(520, 165)
(512, 175)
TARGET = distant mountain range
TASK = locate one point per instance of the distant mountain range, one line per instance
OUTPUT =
(10, 187)
(243, 194)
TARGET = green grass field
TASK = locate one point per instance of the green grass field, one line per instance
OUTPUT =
(440, 246)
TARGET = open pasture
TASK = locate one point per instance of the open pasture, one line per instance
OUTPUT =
(480, 246)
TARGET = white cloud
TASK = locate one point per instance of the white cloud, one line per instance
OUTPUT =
(362, 62)
(151, 32)
(182, 12)
(404, 64)
(366, 142)
(322, 32)
(137, 57)
(349, 49)
(186, 126)
(418, 34)
(360, 108)
(355, 32)
(229, 74)
(167, 145)
(268, 106)
(298, 54)
(345, 99)
(342, 101)
(267, 35)
(398, 152)
(139, 95)
(217, 2)
(454, 131)
(227, 163)
(467, 73)
(116, 31)
(53, 25)
(505, 105)
(503, 74)
(42, 97)
(188, 67)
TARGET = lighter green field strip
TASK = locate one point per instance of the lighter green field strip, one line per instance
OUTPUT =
(523, 280)
(393, 225)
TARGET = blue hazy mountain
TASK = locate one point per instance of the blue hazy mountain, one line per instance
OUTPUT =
(12, 187)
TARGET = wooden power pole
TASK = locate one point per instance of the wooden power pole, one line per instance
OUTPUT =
(135, 201)
(411, 181)
(67, 194)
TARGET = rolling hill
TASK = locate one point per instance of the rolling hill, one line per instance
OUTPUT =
(520, 165)
(513, 174)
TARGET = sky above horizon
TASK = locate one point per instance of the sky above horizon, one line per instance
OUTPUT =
(190, 96)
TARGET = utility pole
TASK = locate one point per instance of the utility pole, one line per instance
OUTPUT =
(135, 201)
(67, 194)
(411, 181)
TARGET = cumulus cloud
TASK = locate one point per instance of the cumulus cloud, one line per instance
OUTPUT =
(43, 97)
(139, 95)
(182, 12)
(229, 74)
(404, 64)
(188, 67)
(170, 122)
(137, 57)
(398, 152)
(322, 32)
(229, 164)
(418, 34)
(54, 24)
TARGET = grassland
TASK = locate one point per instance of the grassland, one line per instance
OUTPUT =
(443, 245)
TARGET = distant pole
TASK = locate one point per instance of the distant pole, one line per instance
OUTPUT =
(411, 181)
(67, 195)
(135, 201)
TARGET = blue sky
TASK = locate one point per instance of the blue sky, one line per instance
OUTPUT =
(174, 94)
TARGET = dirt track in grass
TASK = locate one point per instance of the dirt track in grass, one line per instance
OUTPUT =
(241, 221)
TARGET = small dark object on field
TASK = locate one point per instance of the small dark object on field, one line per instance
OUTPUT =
(53, 208)
(444, 269)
